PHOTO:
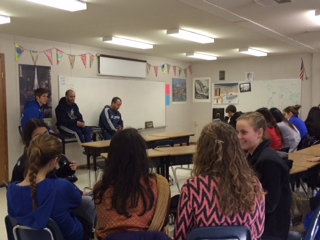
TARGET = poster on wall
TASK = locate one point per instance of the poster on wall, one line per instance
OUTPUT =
(225, 93)
(179, 90)
(32, 77)
(201, 89)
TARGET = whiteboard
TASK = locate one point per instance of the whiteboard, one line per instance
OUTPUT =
(278, 93)
(142, 100)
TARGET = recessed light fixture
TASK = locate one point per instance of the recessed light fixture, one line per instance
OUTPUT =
(191, 36)
(201, 56)
(68, 5)
(4, 19)
(127, 42)
(252, 52)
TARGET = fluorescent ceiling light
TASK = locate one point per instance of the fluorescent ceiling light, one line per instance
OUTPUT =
(253, 52)
(127, 42)
(4, 19)
(195, 37)
(201, 56)
(68, 5)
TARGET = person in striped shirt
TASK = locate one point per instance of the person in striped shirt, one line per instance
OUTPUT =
(223, 189)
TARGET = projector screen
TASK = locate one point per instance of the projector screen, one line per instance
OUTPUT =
(121, 67)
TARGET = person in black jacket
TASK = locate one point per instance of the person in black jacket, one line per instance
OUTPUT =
(69, 118)
(273, 173)
(233, 115)
(33, 128)
(313, 122)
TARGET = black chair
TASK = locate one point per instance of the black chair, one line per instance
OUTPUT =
(5, 184)
(15, 231)
(139, 236)
(229, 232)
(307, 141)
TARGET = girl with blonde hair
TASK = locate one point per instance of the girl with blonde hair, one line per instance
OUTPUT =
(272, 171)
(223, 190)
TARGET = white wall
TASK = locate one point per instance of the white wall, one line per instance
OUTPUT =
(176, 115)
(179, 117)
(266, 68)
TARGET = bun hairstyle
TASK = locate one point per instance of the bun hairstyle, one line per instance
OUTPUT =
(42, 149)
(293, 109)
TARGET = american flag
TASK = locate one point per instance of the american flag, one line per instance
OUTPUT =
(302, 71)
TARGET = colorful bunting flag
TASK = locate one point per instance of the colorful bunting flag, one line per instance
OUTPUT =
(163, 69)
(168, 67)
(174, 70)
(72, 59)
(179, 71)
(92, 58)
(148, 67)
(59, 54)
(156, 70)
(185, 72)
(48, 53)
(19, 51)
(190, 69)
(34, 56)
(84, 59)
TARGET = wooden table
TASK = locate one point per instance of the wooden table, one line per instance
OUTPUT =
(179, 155)
(300, 159)
(154, 155)
(313, 150)
(177, 137)
(94, 149)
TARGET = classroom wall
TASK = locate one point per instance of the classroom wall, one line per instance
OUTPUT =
(189, 116)
(264, 68)
(176, 115)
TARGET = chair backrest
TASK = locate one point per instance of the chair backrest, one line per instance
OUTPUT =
(163, 143)
(229, 232)
(15, 231)
(307, 141)
(139, 236)
(5, 184)
(313, 227)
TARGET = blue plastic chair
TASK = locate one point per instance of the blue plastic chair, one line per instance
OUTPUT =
(228, 232)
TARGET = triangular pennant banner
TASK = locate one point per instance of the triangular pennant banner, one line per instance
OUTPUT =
(174, 70)
(48, 53)
(190, 69)
(84, 59)
(148, 67)
(168, 67)
(91, 60)
(155, 68)
(34, 56)
(72, 59)
(179, 71)
(59, 55)
(19, 51)
(163, 69)
(185, 71)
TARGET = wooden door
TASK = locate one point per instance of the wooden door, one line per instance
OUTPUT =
(3, 124)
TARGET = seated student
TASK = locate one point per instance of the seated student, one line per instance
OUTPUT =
(313, 122)
(110, 119)
(291, 113)
(273, 131)
(69, 118)
(37, 198)
(127, 195)
(33, 128)
(290, 133)
(33, 108)
(233, 115)
(273, 173)
(223, 190)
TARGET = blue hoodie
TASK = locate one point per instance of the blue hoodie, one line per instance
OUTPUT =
(55, 198)
(31, 110)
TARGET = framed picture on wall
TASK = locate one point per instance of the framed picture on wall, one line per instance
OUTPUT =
(226, 93)
(179, 90)
(201, 89)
